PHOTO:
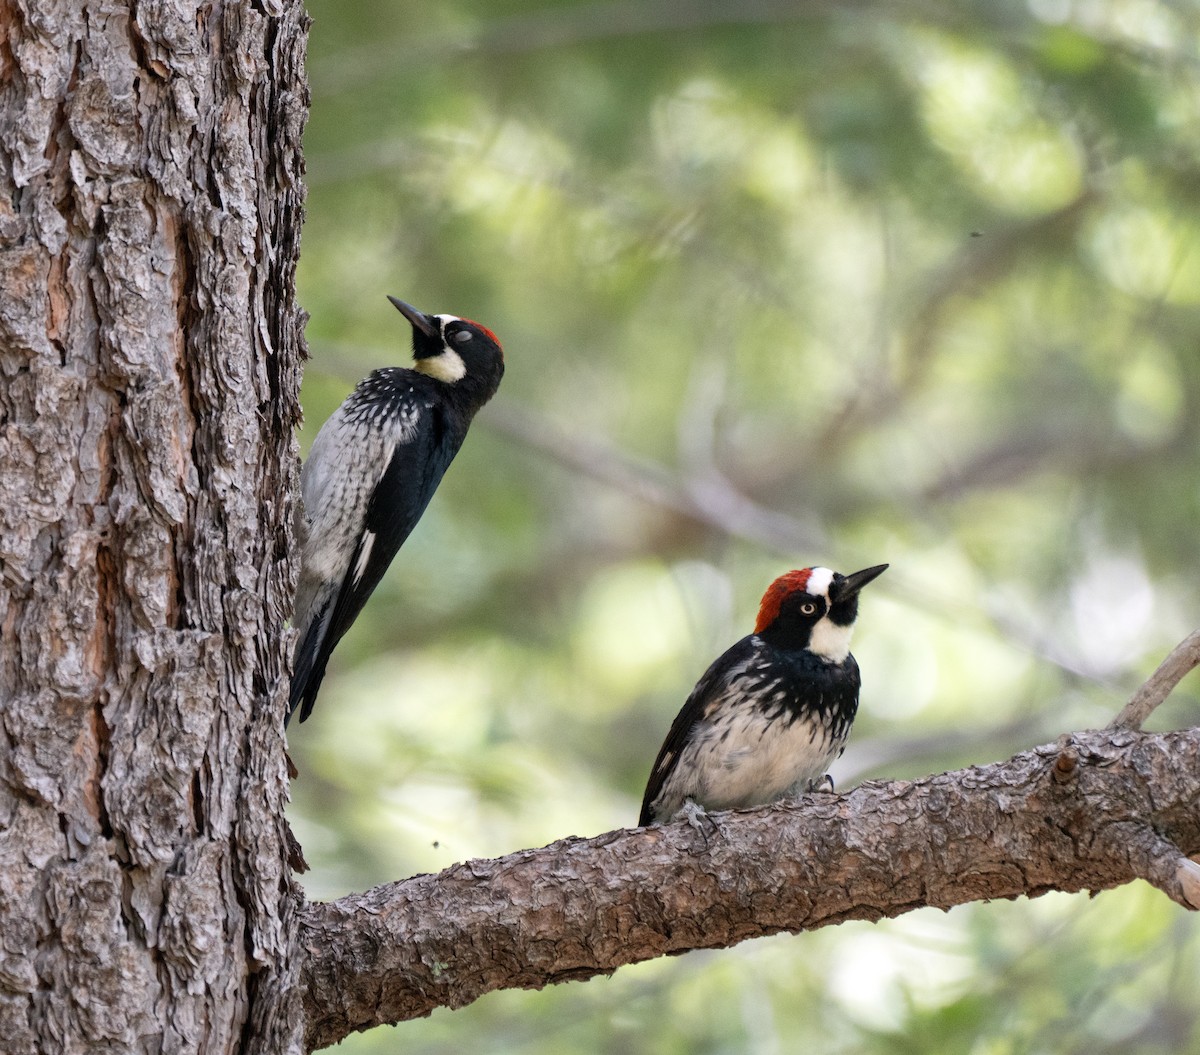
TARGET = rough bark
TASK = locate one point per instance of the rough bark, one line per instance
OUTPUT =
(1090, 813)
(150, 201)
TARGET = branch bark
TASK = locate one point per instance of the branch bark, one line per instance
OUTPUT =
(1125, 807)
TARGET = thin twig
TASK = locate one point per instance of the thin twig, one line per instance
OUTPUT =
(1158, 686)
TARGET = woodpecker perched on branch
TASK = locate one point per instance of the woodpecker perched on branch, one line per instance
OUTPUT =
(371, 472)
(770, 715)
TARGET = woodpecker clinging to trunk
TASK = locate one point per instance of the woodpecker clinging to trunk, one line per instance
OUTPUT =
(770, 715)
(371, 472)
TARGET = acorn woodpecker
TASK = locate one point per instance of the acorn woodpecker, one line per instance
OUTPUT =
(371, 472)
(770, 715)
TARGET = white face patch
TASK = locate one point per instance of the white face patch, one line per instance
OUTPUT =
(447, 367)
(830, 641)
(819, 581)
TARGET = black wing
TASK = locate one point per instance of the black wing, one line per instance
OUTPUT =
(711, 684)
(400, 498)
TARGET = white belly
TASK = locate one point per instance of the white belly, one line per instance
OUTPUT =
(738, 762)
(766, 766)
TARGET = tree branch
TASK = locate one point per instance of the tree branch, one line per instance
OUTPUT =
(1121, 806)
(1182, 658)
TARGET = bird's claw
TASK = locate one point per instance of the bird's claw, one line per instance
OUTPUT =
(695, 814)
(697, 818)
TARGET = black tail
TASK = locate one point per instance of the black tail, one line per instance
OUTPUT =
(329, 625)
(304, 691)
(308, 668)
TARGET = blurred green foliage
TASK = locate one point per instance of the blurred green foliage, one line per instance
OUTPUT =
(778, 284)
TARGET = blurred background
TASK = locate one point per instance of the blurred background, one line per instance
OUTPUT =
(779, 284)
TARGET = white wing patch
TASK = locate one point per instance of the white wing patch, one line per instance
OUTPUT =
(364, 555)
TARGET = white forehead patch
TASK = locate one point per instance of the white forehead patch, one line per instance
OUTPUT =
(819, 581)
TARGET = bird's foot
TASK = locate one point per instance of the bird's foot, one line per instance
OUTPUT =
(824, 785)
(697, 818)
(692, 812)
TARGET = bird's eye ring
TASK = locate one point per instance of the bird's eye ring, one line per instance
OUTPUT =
(808, 608)
(462, 336)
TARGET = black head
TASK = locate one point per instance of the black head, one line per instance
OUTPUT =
(814, 609)
(455, 351)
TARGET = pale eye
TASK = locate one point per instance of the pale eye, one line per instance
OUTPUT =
(462, 336)
(809, 608)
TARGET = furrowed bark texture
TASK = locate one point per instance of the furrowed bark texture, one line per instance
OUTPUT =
(150, 200)
(1091, 813)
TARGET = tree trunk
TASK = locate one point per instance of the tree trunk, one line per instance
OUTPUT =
(149, 347)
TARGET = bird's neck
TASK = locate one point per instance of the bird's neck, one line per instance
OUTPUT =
(461, 398)
(447, 366)
(827, 641)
